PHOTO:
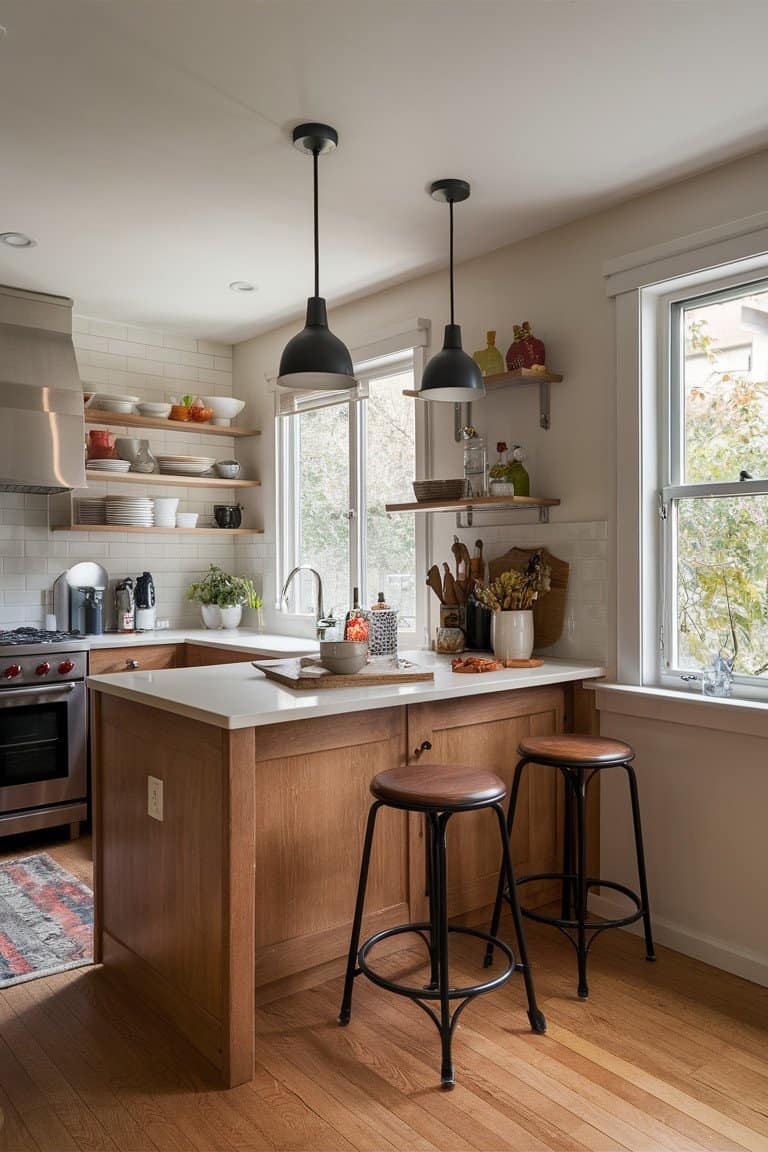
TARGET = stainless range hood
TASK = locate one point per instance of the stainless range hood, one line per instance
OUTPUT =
(42, 425)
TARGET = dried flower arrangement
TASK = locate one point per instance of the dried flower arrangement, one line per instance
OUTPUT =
(515, 591)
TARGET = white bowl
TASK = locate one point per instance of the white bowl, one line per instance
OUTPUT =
(228, 469)
(162, 411)
(186, 519)
(225, 408)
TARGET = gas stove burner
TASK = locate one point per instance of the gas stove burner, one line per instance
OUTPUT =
(36, 636)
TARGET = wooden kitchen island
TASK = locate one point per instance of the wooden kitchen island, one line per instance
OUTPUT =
(246, 887)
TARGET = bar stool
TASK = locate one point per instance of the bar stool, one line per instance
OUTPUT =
(439, 791)
(580, 759)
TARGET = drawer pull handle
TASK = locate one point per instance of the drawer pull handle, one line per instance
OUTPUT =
(425, 747)
(131, 663)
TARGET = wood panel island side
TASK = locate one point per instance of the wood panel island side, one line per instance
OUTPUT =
(246, 886)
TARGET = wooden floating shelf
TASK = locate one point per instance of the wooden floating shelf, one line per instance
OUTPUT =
(172, 531)
(474, 504)
(489, 503)
(166, 478)
(97, 416)
(507, 380)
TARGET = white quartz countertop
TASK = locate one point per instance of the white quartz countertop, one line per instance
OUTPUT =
(239, 696)
(266, 643)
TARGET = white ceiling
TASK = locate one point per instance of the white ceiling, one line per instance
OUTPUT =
(145, 143)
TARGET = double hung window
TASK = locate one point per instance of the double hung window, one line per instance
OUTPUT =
(714, 499)
(341, 458)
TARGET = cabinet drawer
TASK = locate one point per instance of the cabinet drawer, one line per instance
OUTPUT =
(140, 657)
(201, 655)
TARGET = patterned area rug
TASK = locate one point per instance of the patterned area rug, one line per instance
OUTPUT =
(46, 920)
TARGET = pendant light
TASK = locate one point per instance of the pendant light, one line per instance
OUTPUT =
(315, 360)
(451, 374)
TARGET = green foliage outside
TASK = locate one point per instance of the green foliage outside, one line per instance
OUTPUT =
(722, 592)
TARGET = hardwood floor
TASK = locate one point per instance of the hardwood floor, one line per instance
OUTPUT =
(670, 1056)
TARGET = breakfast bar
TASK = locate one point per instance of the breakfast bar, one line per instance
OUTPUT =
(229, 814)
(241, 885)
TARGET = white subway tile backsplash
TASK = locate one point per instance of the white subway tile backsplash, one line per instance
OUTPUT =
(197, 359)
(107, 328)
(182, 343)
(163, 354)
(215, 348)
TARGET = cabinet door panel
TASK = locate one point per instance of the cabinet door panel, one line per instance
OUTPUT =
(485, 734)
(312, 807)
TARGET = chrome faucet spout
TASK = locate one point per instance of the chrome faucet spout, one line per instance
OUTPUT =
(321, 623)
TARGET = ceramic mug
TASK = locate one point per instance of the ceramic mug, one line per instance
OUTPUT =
(228, 515)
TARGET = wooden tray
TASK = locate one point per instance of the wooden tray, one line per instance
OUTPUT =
(308, 672)
(549, 611)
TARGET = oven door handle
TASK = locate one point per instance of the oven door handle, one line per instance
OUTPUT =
(37, 690)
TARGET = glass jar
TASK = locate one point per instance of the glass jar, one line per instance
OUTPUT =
(475, 464)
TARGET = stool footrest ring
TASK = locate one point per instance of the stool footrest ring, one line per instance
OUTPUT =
(426, 993)
(591, 882)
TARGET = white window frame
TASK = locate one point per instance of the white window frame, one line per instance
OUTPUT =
(372, 361)
(726, 256)
(673, 488)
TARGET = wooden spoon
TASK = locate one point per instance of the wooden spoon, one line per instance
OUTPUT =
(435, 583)
(449, 586)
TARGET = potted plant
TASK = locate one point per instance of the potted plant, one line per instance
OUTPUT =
(511, 597)
(221, 597)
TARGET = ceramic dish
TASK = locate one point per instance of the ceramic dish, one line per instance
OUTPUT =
(186, 519)
(108, 465)
(227, 469)
(159, 411)
(343, 657)
(110, 402)
(225, 408)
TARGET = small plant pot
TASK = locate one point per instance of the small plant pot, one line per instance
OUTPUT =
(231, 617)
(512, 634)
(211, 614)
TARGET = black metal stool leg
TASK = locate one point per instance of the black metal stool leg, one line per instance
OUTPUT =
(578, 783)
(566, 896)
(446, 1030)
(494, 930)
(535, 1015)
(354, 943)
(650, 953)
(434, 901)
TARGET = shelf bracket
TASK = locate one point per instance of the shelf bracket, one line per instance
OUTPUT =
(470, 518)
(544, 401)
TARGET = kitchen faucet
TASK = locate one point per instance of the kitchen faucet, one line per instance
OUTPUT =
(322, 625)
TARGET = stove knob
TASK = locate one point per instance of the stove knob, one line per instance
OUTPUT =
(43, 669)
(12, 671)
(65, 667)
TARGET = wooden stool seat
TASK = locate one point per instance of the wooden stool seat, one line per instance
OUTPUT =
(438, 786)
(573, 751)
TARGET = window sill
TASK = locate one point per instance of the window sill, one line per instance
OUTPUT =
(746, 717)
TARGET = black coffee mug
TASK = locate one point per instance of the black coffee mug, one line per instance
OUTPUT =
(228, 515)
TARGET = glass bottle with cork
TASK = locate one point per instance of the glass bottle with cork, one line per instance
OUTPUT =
(489, 360)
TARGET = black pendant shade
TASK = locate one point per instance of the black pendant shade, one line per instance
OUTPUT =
(314, 359)
(451, 375)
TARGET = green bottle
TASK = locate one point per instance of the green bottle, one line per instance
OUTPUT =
(516, 472)
(489, 360)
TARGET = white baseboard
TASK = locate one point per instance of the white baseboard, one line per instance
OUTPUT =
(741, 962)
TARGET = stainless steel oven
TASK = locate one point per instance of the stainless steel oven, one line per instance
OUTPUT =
(43, 727)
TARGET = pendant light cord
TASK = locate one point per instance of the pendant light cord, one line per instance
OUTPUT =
(317, 225)
(450, 205)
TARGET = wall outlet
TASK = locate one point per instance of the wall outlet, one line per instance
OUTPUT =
(154, 798)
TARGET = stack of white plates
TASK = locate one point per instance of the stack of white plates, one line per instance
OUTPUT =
(130, 511)
(90, 511)
(108, 465)
(186, 465)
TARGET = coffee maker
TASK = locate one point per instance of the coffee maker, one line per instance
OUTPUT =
(146, 605)
(78, 599)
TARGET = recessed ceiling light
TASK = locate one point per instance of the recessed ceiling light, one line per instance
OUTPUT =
(17, 240)
(242, 286)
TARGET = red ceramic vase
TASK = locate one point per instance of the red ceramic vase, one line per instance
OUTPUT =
(526, 350)
(101, 445)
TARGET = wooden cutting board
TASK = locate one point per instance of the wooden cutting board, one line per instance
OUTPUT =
(549, 611)
(308, 672)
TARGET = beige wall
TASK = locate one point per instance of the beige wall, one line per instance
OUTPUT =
(556, 281)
